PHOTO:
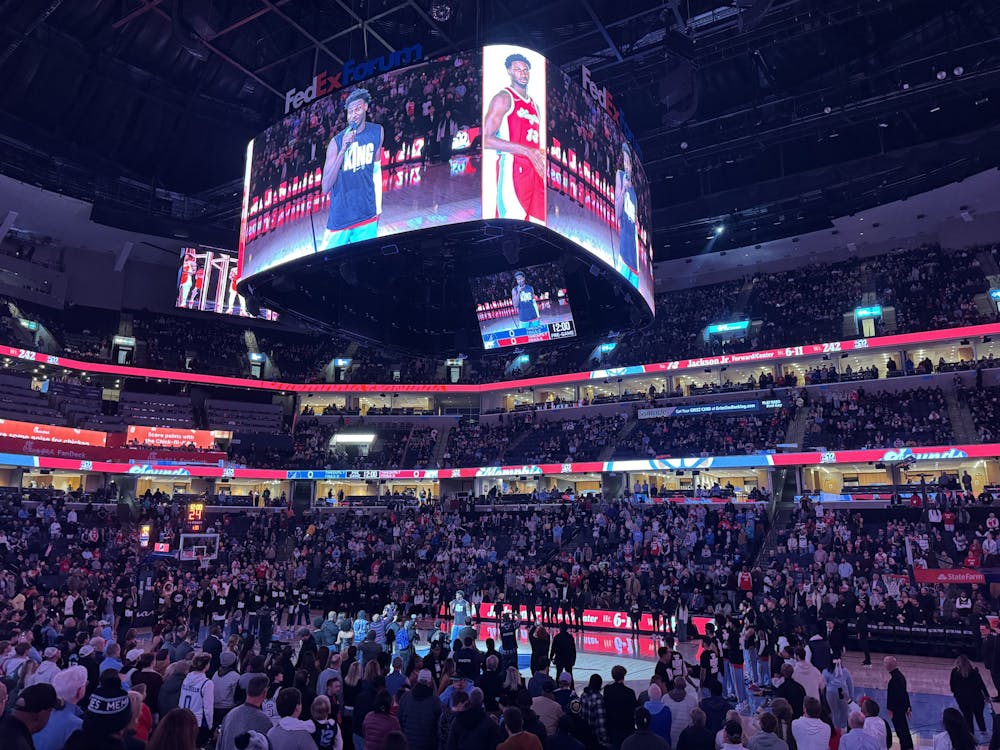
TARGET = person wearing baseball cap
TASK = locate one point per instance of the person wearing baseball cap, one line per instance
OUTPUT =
(70, 685)
(419, 713)
(30, 714)
(47, 669)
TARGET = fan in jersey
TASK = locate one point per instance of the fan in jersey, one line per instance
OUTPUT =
(352, 176)
(625, 212)
(511, 127)
(522, 297)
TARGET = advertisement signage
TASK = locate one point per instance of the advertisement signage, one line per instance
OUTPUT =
(494, 133)
(175, 437)
(947, 575)
(10, 428)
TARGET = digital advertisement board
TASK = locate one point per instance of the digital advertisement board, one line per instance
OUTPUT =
(175, 437)
(206, 281)
(523, 307)
(496, 133)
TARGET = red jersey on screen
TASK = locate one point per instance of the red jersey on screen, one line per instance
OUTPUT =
(520, 189)
(187, 270)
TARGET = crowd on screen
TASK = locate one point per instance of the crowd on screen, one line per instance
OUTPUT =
(415, 103)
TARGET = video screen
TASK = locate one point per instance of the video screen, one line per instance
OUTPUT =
(207, 280)
(598, 195)
(523, 306)
(481, 135)
(398, 152)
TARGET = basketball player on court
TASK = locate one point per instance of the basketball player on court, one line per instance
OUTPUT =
(511, 127)
(352, 176)
(625, 212)
(523, 298)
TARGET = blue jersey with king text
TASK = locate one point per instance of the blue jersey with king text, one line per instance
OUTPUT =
(356, 196)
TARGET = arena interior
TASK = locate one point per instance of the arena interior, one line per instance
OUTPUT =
(571, 375)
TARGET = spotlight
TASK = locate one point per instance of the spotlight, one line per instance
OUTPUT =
(440, 11)
(719, 229)
(827, 109)
(941, 75)
(684, 145)
(959, 70)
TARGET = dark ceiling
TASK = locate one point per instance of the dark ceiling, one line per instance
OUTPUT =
(771, 116)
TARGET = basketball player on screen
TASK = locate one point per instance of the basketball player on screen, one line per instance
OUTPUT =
(625, 212)
(511, 127)
(352, 176)
(523, 298)
(189, 267)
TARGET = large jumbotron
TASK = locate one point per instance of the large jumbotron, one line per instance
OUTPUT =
(403, 240)
(339, 409)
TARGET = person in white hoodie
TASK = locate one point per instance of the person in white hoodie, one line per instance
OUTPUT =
(810, 731)
(198, 696)
(291, 733)
(810, 678)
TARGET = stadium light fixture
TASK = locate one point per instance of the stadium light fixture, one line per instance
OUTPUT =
(720, 229)
(356, 438)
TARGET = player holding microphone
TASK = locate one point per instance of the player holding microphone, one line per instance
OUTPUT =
(352, 176)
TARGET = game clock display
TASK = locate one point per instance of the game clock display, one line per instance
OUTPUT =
(523, 306)
(530, 334)
(195, 518)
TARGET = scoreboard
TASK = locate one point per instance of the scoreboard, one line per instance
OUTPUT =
(529, 333)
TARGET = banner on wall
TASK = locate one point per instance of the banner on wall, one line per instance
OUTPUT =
(174, 437)
(601, 619)
(93, 453)
(50, 433)
(947, 575)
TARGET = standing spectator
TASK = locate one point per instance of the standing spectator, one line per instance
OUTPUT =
(146, 675)
(970, 692)
(696, 736)
(419, 711)
(213, 647)
(246, 717)
(681, 703)
(858, 738)
(327, 735)
(198, 695)
(897, 701)
(733, 735)
(178, 730)
(594, 709)
(806, 674)
(70, 686)
(790, 690)
(563, 650)
(956, 735)
(170, 691)
(290, 733)
(620, 702)
(108, 713)
(875, 725)
(472, 729)
(30, 715)
(659, 713)
(644, 738)
(517, 738)
(379, 722)
(547, 707)
(224, 687)
(767, 739)
(839, 693)
(810, 731)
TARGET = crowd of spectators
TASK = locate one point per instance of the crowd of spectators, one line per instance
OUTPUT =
(879, 419)
(706, 435)
(563, 441)
(191, 344)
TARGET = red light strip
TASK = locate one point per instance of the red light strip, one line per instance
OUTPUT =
(749, 358)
